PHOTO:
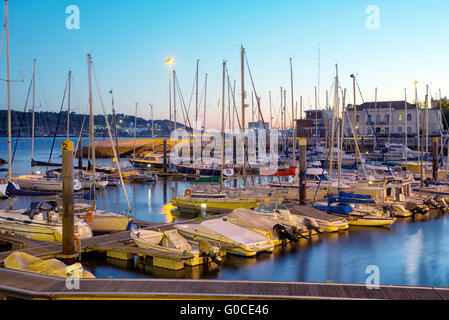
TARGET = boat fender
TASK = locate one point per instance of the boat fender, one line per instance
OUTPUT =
(77, 242)
(188, 192)
(88, 217)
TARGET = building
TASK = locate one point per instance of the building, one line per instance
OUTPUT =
(390, 118)
(314, 124)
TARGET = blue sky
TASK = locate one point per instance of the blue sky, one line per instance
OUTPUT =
(129, 41)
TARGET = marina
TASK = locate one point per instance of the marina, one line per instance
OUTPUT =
(335, 187)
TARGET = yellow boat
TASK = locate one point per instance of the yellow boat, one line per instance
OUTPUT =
(39, 222)
(369, 221)
(196, 202)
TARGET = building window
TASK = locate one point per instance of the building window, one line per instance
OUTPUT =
(409, 130)
(387, 118)
(400, 117)
(409, 117)
(387, 130)
(378, 118)
(357, 118)
(400, 130)
(369, 130)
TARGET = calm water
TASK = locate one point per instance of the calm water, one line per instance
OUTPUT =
(412, 252)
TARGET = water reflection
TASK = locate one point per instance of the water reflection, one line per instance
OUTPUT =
(413, 251)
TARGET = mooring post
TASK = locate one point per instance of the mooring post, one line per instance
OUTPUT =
(435, 160)
(80, 153)
(68, 232)
(165, 155)
(302, 171)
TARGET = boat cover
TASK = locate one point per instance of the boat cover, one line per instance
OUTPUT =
(248, 219)
(235, 233)
(35, 163)
(12, 191)
(25, 262)
(353, 195)
(41, 205)
(333, 199)
(341, 209)
(174, 240)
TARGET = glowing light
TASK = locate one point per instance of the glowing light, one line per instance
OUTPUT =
(370, 182)
(203, 205)
(170, 61)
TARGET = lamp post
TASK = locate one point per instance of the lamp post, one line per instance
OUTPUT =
(170, 61)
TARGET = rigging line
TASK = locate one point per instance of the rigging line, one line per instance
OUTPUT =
(23, 121)
(261, 116)
(184, 105)
(110, 136)
(233, 100)
(191, 94)
(59, 118)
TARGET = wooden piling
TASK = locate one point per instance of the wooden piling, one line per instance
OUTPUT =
(68, 219)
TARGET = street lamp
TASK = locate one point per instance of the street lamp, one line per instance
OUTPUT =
(170, 61)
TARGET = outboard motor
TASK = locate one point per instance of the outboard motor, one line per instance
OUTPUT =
(283, 234)
(388, 210)
(208, 251)
(311, 225)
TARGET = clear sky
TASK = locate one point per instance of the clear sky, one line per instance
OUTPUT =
(129, 41)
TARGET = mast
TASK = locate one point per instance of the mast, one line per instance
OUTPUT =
(92, 133)
(293, 114)
(32, 115)
(355, 123)
(316, 122)
(389, 127)
(271, 115)
(68, 106)
(243, 114)
(375, 112)
(418, 127)
(174, 99)
(135, 130)
(115, 126)
(426, 106)
(204, 116)
(342, 126)
(300, 107)
(9, 97)
(326, 126)
(222, 126)
(406, 126)
(196, 95)
(152, 126)
(334, 114)
(285, 120)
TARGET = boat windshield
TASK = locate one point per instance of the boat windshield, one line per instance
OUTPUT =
(270, 207)
(213, 196)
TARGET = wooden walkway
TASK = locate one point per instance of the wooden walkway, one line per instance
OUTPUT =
(25, 285)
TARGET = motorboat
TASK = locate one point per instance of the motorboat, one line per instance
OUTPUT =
(102, 221)
(39, 182)
(211, 202)
(172, 241)
(41, 221)
(240, 241)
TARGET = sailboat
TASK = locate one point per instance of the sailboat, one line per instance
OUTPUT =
(42, 182)
(101, 221)
(195, 201)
